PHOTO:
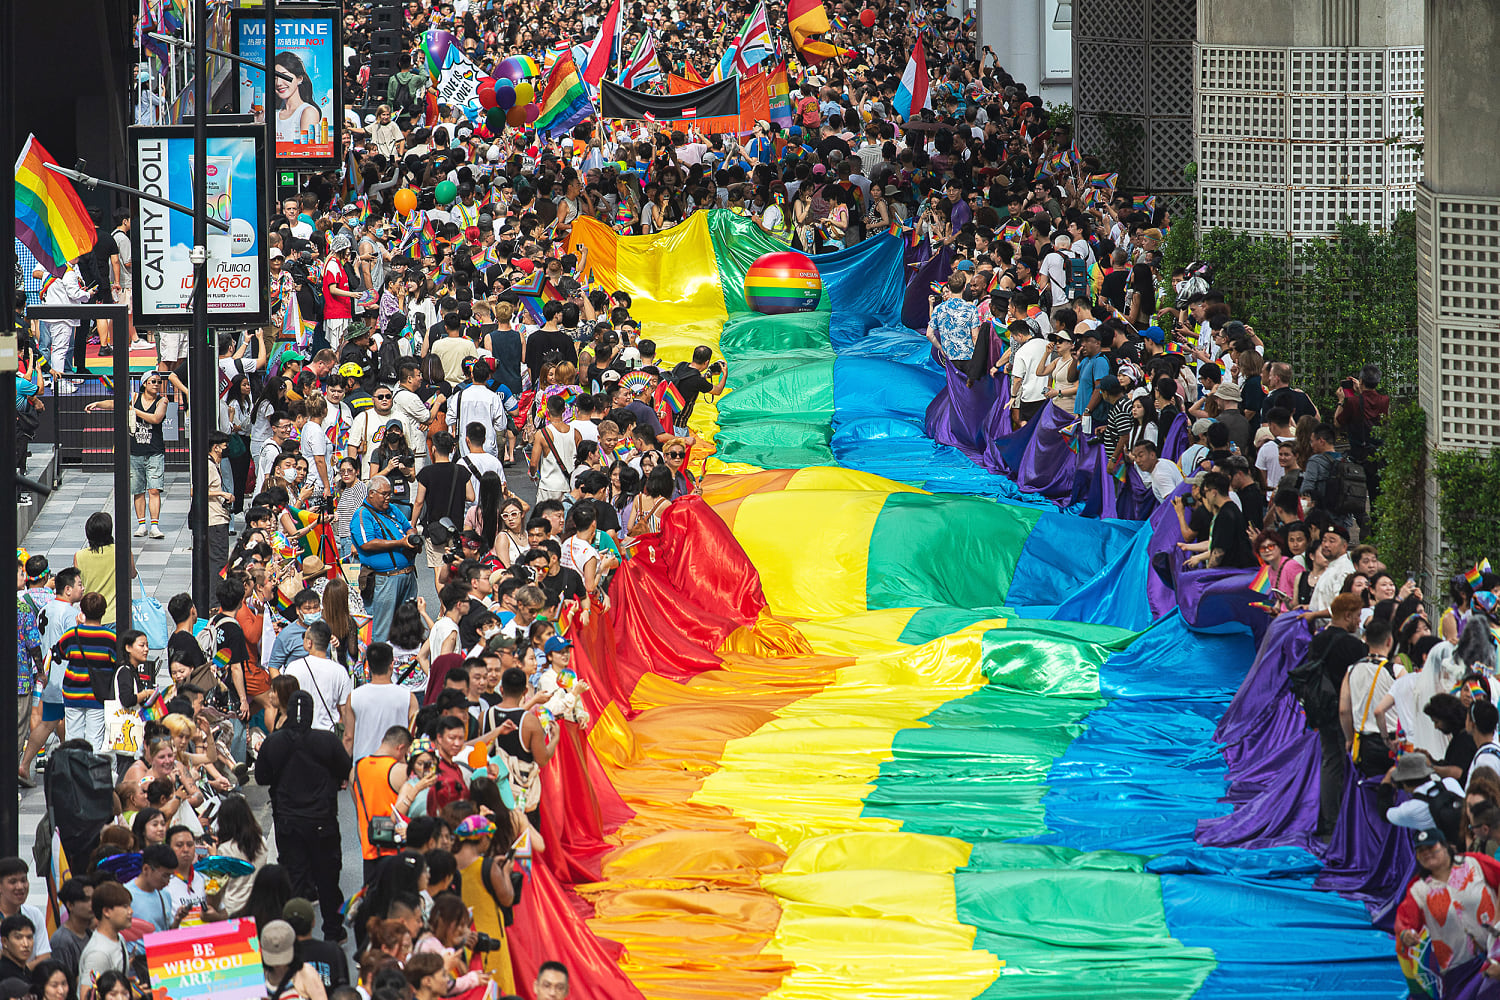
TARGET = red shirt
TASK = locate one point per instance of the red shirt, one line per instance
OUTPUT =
(335, 306)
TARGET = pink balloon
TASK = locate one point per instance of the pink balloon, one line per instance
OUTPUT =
(533, 112)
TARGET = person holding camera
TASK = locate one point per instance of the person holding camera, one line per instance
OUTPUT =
(695, 378)
(387, 547)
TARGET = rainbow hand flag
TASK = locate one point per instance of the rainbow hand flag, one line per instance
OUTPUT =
(670, 397)
(1262, 582)
(1144, 203)
(50, 218)
(1475, 574)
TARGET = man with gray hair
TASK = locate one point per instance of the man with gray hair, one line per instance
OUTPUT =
(387, 546)
(1053, 274)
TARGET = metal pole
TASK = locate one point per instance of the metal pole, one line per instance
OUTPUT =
(124, 398)
(201, 393)
(273, 179)
(10, 791)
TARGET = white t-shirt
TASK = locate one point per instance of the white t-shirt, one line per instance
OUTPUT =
(1056, 270)
(327, 682)
(1487, 757)
(441, 630)
(576, 553)
(1267, 461)
(478, 463)
(314, 442)
(587, 429)
(1163, 479)
(376, 708)
(1028, 359)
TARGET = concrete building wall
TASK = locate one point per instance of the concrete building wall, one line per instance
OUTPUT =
(1458, 242)
(1028, 47)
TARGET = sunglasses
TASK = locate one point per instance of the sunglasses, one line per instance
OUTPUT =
(676, 454)
(384, 395)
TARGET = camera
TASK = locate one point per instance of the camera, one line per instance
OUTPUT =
(716, 367)
(484, 943)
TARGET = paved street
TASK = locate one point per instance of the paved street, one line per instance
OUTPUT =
(165, 569)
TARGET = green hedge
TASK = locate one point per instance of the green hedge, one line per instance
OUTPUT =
(1471, 521)
(1397, 527)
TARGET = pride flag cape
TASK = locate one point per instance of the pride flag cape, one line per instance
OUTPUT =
(870, 721)
(50, 218)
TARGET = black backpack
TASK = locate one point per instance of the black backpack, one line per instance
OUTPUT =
(1446, 806)
(1316, 692)
(1347, 492)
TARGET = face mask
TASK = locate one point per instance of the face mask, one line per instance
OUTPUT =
(309, 619)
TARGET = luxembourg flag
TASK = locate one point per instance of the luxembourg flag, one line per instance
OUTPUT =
(602, 52)
(912, 94)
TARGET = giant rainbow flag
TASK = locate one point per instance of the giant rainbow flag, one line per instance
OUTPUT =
(50, 219)
(870, 723)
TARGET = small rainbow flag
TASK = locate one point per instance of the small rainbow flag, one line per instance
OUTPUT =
(1476, 573)
(1172, 347)
(1262, 582)
(155, 710)
(565, 99)
(1104, 182)
(47, 285)
(669, 396)
(50, 217)
(1476, 689)
(1144, 203)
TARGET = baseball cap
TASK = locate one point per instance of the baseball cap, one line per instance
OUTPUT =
(556, 644)
(818, 168)
(1201, 426)
(299, 913)
(1154, 333)
(278, 943)
(1427, 838)
(275, 253)
(500, 641)
(964, 265)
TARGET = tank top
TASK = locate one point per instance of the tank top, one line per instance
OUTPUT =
(372, 778)
(552, 476)
(511, 742)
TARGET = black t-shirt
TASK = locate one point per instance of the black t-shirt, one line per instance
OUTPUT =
(1293, 399)
(690, 382)
(1112, 288)
(327, 958)
(1253, 503)
(606, 518)
(1339, 650)
(183, 648)
(1227, 534)
(505, 345)
(544, 342)
(1198, 521)
(1460, 753)
(832, 142)
(444, 482)
(564, 585)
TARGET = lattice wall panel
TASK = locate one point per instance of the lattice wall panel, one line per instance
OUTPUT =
(1242, 208)
(1337, 71)
(1111, 77)
(1242, 70)
(1169, 89)
(1336, 165)
(1336, 118)
(1242, 116)
(1404, 70)
(1174, 20)
(1235, 161)
(1124, 20)
(1171, 149)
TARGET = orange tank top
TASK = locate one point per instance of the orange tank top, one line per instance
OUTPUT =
(373, 797)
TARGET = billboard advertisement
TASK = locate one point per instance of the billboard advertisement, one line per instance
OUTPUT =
(237, 279)
(306, 95)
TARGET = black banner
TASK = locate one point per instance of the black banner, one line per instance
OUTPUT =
(717, 100)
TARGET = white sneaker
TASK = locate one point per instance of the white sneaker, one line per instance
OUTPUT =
(155, 532)
(140, 530)
(65, 388)
(141, 345)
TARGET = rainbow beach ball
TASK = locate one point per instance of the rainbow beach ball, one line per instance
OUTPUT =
(784, 281)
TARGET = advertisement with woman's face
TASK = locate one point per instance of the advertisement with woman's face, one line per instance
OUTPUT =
(305, 77)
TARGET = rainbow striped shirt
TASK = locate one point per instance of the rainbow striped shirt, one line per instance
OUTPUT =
(84, 646)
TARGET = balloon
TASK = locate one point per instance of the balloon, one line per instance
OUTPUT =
(511, 69)
(495, 118)
(486, 93)
(867, 17)
(524, 93)
(445, 192)
(533, 112)
(516, 116)
(406, 200)
(438, 43)
(505, 95)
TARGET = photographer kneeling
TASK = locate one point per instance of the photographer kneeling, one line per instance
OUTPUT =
(387, 548)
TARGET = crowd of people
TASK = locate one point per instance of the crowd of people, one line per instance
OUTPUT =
(415, 413)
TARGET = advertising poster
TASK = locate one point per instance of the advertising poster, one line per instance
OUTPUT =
(164, 238)
(218, 961)
(304, 85)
